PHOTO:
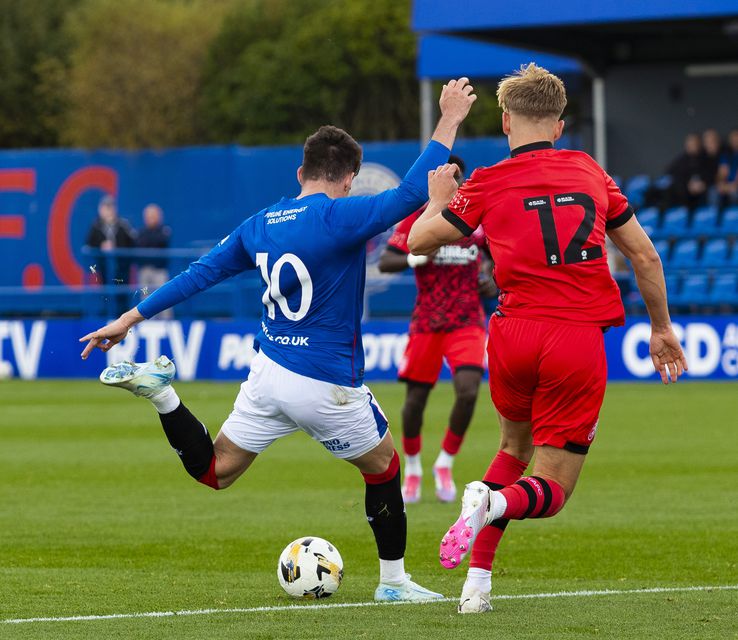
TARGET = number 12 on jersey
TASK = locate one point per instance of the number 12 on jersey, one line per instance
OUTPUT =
(575, 251)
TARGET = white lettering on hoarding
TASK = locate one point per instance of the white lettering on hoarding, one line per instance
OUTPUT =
(185, 352)
(26, 352)
(236, 351)
(702, 348)
(641, 367)
(706, 351)
(383, 351)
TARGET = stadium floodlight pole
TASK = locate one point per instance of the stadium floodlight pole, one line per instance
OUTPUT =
(426, 111)
(599, 120)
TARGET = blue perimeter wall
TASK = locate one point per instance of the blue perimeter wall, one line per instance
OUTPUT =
(48, 199)
(222, 350)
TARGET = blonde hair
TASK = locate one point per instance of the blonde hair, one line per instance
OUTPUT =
(532, 92)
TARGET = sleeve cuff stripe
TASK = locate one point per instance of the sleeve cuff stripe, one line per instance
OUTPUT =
(620, 220)
(455, 220)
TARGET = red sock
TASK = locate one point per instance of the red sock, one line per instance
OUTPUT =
(504, 470)
(385, 476)
(451, 442)
(209, 478)
(411, 446)
(533, 497)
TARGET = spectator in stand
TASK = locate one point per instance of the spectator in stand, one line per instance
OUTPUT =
(107, 233)
(688, 183)
(153, 271)
(712, 149)
(727, 176)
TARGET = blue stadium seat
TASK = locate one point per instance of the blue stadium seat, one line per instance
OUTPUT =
(694, 290)
(704, 221)
(729, 223)
(648, 218)
(684, 254)
(733, 257)
(635, 189)
(725, 289)
(675, 222)
(663, 182)
(715, 254)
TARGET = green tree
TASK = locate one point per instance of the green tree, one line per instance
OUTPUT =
(279, 70)
(31, 44)
(135, 71)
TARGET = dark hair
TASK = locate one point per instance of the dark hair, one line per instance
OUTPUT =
(457, 161)
(330, 154)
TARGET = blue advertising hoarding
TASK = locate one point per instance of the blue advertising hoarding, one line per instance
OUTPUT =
(222, 350)
(49, 198)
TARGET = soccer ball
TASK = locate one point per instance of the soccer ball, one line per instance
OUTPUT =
(310, 568)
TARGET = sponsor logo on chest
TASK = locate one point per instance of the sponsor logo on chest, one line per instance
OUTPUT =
(454, 254)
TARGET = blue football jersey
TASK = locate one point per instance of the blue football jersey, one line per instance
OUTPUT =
(311, 254)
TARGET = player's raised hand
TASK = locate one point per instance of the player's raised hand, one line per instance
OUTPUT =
(457, 97)
(442, 184)
(667, 355)
(111, 334)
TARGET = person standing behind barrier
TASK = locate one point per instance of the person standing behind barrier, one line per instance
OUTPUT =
(107, 233)
(712, 150)
(689, 183)
(727, 178)
(153, 271)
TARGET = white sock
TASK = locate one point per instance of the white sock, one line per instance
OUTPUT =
(392, 571)
(499, 505)
(166, 401)
(444, 459)
(413, 466)
(479, 579)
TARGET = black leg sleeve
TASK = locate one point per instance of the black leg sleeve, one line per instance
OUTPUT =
(385, 511)
(190, 439)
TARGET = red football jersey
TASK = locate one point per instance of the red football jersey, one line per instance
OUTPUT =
(544, 213)
(448, 296)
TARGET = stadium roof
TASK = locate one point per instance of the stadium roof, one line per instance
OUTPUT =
(601, 34)
(443, 57)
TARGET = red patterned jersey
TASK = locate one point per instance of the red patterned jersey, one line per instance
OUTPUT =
(448, 296)
(544, 213)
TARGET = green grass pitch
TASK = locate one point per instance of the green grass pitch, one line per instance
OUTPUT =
(98, 517)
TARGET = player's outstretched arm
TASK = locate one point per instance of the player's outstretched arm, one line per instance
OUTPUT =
(431, 230)
(228, 258)
(111, 334)
(666, 352)
(357, 219)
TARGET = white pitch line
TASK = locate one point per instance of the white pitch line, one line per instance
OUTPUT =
(346, 605)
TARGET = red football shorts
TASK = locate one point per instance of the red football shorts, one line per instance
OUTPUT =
(553, 375)
(423, 359)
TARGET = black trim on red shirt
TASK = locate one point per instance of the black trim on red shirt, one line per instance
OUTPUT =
(457, 222)
(574, 447)
(394, 249)
(533, 146)
(621, 219)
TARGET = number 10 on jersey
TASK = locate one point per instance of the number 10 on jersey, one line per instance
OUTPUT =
(273, 293)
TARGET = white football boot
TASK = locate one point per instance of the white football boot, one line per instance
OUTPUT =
(474, 600)
(408, 591)
(145, 379)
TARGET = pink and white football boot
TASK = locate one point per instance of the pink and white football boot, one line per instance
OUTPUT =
(475, 514)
